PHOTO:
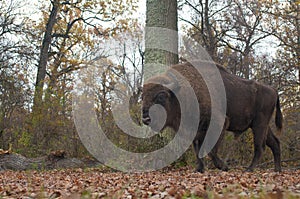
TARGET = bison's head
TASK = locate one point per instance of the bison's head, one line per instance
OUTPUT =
(160, 105)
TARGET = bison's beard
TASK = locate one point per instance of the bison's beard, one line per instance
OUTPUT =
(157, 127)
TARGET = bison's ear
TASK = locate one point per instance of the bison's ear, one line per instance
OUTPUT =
(162, 97)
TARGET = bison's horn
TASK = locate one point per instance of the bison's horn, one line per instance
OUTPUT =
(173, 85)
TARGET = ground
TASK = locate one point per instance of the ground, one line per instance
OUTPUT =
(166, 183)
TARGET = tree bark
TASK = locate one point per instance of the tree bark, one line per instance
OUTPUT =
(298, 38)
(162, 15)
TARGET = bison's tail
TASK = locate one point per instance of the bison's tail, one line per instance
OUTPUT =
(278, 116)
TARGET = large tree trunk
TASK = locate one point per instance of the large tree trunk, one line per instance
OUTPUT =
(43, 59)
(161, 44)
(163, 15)
(298, 39)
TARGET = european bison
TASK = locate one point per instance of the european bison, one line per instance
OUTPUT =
(250, 104)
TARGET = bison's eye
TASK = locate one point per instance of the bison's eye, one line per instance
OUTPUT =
(161, 98)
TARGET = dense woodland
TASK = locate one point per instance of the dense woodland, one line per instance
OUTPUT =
(46, 44)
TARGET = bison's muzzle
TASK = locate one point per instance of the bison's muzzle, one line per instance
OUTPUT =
(146, 118)
(155, 117)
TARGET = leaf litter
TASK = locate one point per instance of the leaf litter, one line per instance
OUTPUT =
(167, 183)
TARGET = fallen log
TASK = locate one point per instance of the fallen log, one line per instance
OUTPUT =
(55, 160)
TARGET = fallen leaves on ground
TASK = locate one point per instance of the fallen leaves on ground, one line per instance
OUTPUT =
(167, 183)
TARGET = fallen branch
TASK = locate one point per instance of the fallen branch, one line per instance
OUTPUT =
(282, 161)
(55, 160)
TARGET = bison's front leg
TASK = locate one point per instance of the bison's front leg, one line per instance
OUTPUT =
(214, 154)
(197, 145)
(217, 161)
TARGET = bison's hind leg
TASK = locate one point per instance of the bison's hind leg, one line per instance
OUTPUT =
(260, 131)
(274, 145)
(200, 165)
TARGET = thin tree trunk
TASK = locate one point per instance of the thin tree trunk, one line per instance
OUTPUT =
(211, 46)
(38, 137)
(43, 59)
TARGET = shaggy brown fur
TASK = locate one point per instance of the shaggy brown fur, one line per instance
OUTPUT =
(250, 104)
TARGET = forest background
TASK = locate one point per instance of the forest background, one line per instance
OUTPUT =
(46, 44)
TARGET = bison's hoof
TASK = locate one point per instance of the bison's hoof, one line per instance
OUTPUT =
(224, 168)
(278, 170)
(199, 170)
